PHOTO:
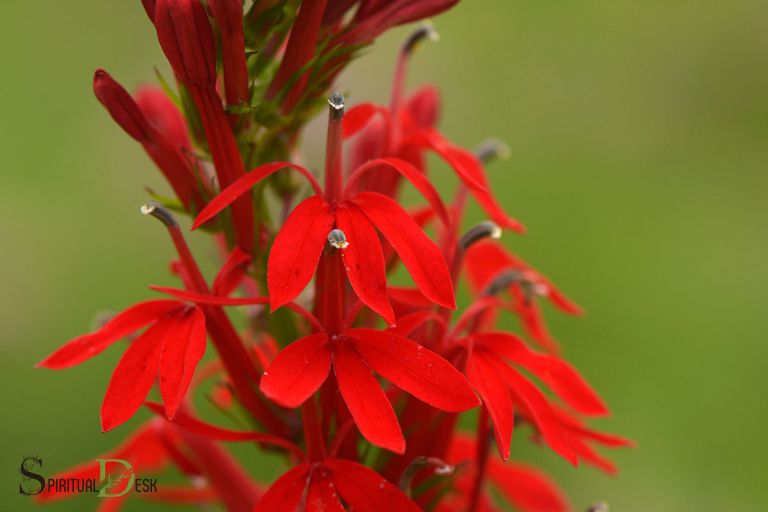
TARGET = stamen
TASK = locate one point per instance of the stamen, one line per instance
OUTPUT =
(502, 281)
(336, 103)
(333, 154)
(337, 239)
(155, 210)
(426, 31)
(492, 149)
(485, 229)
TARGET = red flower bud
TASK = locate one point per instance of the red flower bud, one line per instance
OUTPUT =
(187, 41)
(229, 18)
(164, 152)
(186, 37)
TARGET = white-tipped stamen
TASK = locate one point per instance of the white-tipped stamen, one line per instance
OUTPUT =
(157, 211)
(486, 229)
(492, 149)
(337, 239)
(425, 32)
(336, 104)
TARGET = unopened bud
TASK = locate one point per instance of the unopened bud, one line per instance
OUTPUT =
(599, 507)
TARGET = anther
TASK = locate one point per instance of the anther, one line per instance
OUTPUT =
(155, 210)
(490, 150)
(336, 104)
(425, 31)
(485, 229)
(502, 281)
(337, 239)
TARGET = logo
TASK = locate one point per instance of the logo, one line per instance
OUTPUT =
(31, 483)
(116, 478)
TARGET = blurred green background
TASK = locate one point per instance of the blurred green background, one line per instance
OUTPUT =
(639, 160)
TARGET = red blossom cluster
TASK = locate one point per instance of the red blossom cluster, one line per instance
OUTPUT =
(357, 383)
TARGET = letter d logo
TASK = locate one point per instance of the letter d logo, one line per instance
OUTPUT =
(110, 482)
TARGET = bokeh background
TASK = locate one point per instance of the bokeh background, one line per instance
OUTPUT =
(639, 162)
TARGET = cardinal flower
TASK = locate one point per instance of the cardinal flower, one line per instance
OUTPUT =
(348, 220)
(301, 368)
(489, 264)
(491, 364)
(169, 350)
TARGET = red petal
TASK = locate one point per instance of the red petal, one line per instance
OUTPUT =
(364, 490)
(409, 323)
(196, 426)
(560, 376)
(419, 254)
(231, 273)
(181, 353)
(493, 390)
(409, 172)
(357, 117)
(471, 172)
(134, 374)
(84, 347)
(163, 115)
(415, 369)
(527, 488)
(297, 371)
(364, 260)
(536, 403)
(322, 495)
(243, 185)
(424, 106)
(297, 249)
(286, 493)
(365, 400)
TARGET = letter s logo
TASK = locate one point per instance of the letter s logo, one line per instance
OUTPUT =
(27, 464)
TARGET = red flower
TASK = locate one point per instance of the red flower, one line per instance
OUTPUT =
(487, 261)
(504, 389)
(323, 486)
(169, 349)
(299, 370)
(297, 248)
